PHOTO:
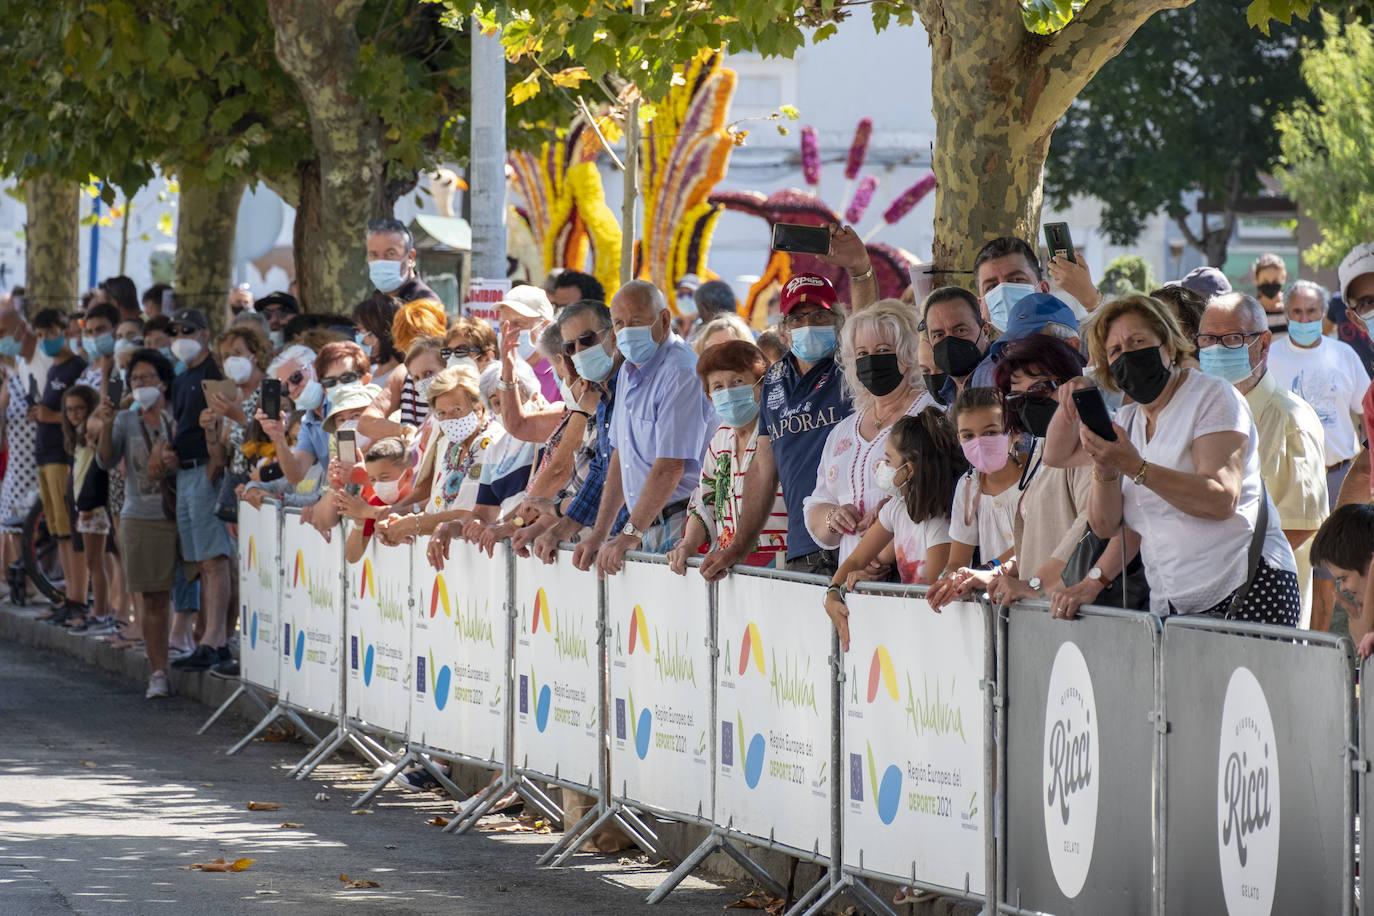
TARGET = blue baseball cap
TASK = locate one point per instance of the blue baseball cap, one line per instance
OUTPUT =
(1030, 316)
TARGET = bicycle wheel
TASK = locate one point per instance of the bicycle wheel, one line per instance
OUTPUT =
(41, 560)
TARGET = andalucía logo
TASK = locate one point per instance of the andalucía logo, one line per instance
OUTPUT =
(252, 627)
(439, 595)
(368, 585)
(543, 700)
(369, 656)
(639, 631)
(1070, 769)
(887, 794)
(299, 571)
(299, 655)
(1248, 801)
(252, 553)
(754, 752)
(751, 642)
(541, 612)
(641, 726)
(440, 678)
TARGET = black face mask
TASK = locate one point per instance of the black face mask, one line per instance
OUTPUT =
(879, 373)
(957, 356)
(1141, 374)
(1269, 290)
(935, 382)
(1036, 413)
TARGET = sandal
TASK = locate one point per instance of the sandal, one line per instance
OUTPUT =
(119, 642)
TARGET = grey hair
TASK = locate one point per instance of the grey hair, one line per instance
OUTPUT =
(644, 293)
(1316, 289)
(1247, 306)
(899, 321)
(715, 297)
(296, 353)
(525, 381)
(585, 307)
(256, 320)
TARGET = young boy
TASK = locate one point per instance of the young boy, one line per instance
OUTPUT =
(1344, 545)
(390, 471)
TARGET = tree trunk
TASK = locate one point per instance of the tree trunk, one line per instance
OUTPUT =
(317, 45)
(307, 233)
(52, 251)
(997, 93)
(207, 217)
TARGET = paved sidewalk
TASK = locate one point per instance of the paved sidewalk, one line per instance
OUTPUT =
(106, 797)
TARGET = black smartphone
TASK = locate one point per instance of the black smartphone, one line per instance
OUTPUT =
(270, 472)
(1092, 411)
(270, 400)
(1058, 241)
(33, 391)
(801, 239)
(114, 389)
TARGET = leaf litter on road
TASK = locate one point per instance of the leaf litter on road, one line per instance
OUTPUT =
(263, 806)
(350, 883)
(220, 865)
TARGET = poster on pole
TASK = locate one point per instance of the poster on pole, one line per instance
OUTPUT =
(460, 651)
(259, 594)
(557, 727)
(913, 741)
(660, 671)
(773, 703)
(378, 638)
(312, 612)
(483, 294)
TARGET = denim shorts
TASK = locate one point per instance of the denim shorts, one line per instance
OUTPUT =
(203, 536)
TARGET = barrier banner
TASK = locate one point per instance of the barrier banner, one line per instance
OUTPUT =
(1256, 757)
(259, 595)
(312, 617)
(660, 692)
(1080, 742)
(459, 634)
(774, 693)
(378, 639)
(913, 738)
(556, 669)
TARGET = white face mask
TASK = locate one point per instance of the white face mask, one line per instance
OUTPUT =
(388, 491)
(567, 393)
(146, 397)
(238, 369)
(186, 348)
(459, 428)
(422, 388)
(885, 479)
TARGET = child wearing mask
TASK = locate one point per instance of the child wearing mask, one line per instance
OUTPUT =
(390, 468)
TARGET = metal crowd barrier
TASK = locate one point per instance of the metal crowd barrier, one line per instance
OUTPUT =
(990, 754)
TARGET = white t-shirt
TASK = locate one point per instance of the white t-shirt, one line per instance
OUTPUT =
(1332, 379)
(1194, 562)
(911, 540)
(986, 522)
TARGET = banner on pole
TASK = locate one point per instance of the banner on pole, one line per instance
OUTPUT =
(311, 618)
(260, 595)
(557, 731)
(378, 638)
(483, 294)
(660, 692)
(914, 741)
(773, 704)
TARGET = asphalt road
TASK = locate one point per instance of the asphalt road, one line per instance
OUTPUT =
(105, 798)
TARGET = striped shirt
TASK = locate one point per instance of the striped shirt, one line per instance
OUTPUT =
(414, 408)
(719, 498)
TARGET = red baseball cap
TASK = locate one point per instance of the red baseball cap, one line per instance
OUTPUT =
(811, 288)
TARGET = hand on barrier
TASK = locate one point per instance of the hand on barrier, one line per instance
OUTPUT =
(253, 497)
(521, 540)
(438, 546)
(1005, 590)
(838, 612)
(611, 558)
(875, 571)
(677, 558)
(1366, 646)
(490, 534)
(390, 530)
(546, 548)
(355, 507)
(717, 563)
(956, 585)
(471, 530)
(1065, 602)
(585, 553)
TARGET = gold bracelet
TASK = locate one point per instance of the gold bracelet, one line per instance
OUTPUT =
(1100, 479)
(1139, 477)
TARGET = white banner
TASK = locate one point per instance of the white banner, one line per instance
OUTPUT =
(556, 680)
(460, 633)
(379, 669)
(312, 610)
(260, 595)
(483, 294)
(913, 741)
(660, 670)
(773, 700)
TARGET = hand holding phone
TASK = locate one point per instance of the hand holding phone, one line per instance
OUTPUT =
(114, 389)
(270, 399)
(1092, 412)
(347, 444)
(1058, 241)
(800, 239)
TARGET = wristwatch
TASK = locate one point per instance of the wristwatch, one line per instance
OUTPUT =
(1098, 576)
(632, 531)
(504, 385)
(1035, 583)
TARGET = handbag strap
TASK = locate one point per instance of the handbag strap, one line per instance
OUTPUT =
(1256, 548)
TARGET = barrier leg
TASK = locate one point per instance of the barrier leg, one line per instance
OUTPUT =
(570, 850)
(241, 690)
(368, 748)
(711, 844)
(276, 712)
(386, 778)
(479, 804)
(378, 751)
(296, 720)
(331, 743)
(639, 826)
(832, 892)
(759, 873)
(572, 833)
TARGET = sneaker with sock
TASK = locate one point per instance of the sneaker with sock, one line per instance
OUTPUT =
(157, 686)
(419, 779)
(203, 657)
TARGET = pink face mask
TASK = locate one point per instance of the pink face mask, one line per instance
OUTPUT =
(987, 453)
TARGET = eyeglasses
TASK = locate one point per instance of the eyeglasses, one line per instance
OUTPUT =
(295, 378)
(182, 330)
(447, 353)
(813, 318)
(582, 342)
(1229, 341)
(137, 381)
(273, 312)
(343, 378)
(1361, 305)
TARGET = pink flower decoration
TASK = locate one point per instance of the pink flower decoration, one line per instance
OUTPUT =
(862, 198)
(843, 446)
(858, 150)
(810, 156)
(909, 199)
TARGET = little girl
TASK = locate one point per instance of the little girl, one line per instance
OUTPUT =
(90, 493)
(923, 462)
(984, 512)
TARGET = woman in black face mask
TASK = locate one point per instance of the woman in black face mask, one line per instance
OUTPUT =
(882, 375)
(1183, 470)
(1052, 514)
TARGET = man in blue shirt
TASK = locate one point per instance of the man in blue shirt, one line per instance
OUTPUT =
(801, 399)
(659, 431)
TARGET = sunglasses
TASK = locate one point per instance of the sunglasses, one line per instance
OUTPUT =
(582, 342)
(182, 330)
(295, 378)
(447, 353)
(343, 378)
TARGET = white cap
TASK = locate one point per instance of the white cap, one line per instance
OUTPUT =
(530, 301)
(1359, 262)
(690, 281)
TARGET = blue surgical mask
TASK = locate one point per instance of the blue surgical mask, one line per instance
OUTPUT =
(1225, 363)
(736, 406)
(385, 275)
(1305, 333)
(637, 344)
(811, 343)
(594, 364)
(178, 367)
(312, 395)
(52, 345)
(526, 346)
(10, 346)
(100, 345)
(278, 339)
(1001, 299)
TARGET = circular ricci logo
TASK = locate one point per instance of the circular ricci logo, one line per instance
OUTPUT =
(1247, 798)
(1070, 781)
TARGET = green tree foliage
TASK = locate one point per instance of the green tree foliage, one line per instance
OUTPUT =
(1187, 106)
(1125, 275)
(1327, 166)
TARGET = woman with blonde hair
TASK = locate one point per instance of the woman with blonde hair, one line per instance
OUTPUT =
(720, 329)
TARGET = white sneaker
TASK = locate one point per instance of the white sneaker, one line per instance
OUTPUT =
(157, 686)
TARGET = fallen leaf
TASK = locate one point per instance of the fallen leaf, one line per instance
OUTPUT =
(360, 811)
(88, 764)
(361, 882)
(758, 901)
(221, 865)
(263, 806)
(437, 820)
(291, 825)
(503, 823)
(208, 785)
